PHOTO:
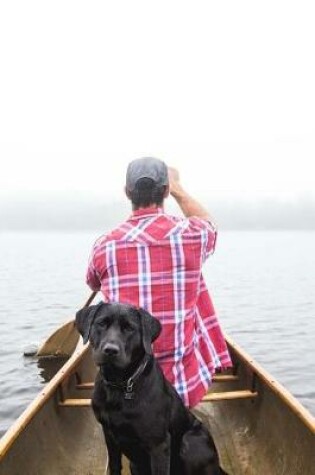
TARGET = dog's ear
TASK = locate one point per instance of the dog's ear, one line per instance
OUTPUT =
(84, 320)
(151, 329)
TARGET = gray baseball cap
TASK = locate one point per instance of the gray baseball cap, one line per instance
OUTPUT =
(146, 168)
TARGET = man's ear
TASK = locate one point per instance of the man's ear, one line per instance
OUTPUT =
(127, 193)
(166, 191)
(84, 320)
(151, 329)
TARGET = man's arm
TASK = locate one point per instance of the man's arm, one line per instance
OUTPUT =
(188, 205)
(92, 278)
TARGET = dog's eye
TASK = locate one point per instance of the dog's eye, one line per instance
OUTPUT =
(126, 327)
(102, 323)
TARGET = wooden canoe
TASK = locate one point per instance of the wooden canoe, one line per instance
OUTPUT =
(258, 426)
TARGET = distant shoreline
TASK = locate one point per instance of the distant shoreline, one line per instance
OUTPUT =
(80, 214)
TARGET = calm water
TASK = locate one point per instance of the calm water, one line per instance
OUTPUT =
(262, 284)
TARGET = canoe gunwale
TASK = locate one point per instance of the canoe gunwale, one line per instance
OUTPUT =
(304, 415)
(49, 390)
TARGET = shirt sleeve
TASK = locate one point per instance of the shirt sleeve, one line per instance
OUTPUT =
(92, 277)
(208, 235)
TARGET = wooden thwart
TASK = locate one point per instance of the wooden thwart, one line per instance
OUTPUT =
(210, 397)
(223, 378)
(224, 395)
(75, 403)
(218, 378)
(85, 386)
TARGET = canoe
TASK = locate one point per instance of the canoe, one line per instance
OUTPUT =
(258, 426)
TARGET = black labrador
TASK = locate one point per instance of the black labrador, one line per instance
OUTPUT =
(141, 413)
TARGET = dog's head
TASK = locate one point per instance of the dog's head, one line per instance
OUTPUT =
(118, 333)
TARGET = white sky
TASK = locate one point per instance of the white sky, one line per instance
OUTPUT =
(223, 90)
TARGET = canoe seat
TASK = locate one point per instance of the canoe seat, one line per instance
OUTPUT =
(85, 386)
(210, 397)
(218, 378)
(225, 395)
(75, 403)
(224, 378)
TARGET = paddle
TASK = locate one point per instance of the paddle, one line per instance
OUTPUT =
(64, 340)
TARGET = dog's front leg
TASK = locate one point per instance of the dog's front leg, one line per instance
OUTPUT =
(161, 457)
(114, 453)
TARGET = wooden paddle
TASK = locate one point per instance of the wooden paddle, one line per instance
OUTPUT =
(64, 340)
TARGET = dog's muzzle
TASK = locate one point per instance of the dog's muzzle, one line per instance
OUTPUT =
(111, 349)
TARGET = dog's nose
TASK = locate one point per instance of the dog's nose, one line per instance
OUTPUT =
(110, 349)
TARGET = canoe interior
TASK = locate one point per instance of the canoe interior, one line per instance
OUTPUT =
(257, 436)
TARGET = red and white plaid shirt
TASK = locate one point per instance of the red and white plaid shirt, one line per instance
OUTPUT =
(154, 261)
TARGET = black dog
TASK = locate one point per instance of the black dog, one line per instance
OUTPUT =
(141, 413)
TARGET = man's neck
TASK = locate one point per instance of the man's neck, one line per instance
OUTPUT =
(147, 208)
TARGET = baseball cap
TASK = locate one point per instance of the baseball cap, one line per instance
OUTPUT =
(147, 167)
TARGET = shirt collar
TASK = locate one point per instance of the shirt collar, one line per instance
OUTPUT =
(146, 212)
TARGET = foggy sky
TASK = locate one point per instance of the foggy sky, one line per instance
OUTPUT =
(222, 90)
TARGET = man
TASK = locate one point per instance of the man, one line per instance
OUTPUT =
(153, 260)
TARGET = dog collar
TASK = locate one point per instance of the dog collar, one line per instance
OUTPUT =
(127, 385)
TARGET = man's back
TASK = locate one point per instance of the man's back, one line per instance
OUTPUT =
(154, 261)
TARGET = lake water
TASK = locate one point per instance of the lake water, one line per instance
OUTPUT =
(262, 284)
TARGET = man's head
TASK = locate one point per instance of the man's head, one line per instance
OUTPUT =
(147, 182)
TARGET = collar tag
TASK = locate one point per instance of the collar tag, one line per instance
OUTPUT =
(129, 390)
(128, 396)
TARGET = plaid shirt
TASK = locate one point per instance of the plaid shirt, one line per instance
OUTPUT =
(154, 261)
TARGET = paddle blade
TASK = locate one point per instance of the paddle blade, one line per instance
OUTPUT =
(60, 343)
(64, 340)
